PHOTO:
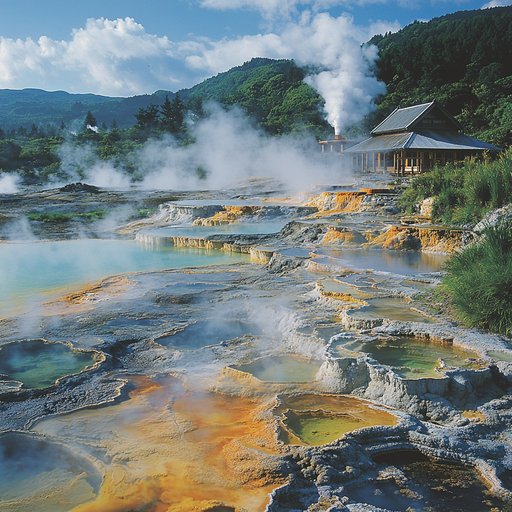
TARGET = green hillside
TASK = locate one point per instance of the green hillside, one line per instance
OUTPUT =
(271, 91)
(462, 59)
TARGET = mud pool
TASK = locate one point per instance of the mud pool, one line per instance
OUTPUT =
(298, 379)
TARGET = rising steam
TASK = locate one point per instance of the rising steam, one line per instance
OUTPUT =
(227, 149)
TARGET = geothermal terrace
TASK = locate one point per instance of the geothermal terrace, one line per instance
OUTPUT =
(242, 351)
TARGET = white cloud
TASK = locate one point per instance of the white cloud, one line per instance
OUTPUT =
(279, 8)
(107, 57)
(119, 58)
(497, 3)
(332, 44)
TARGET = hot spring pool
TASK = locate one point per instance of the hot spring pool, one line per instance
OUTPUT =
(38, 475)
(282, 368)
(319, 419)
(32, 271)
(39, 364)
(412, 358)
(428, 485)
(398, 262)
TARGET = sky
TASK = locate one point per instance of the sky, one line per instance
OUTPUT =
(129, 47)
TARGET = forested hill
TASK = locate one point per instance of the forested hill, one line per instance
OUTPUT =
(271, 91)
(462, 59)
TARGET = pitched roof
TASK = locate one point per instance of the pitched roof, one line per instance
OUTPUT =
(429, 140)
(404, 119)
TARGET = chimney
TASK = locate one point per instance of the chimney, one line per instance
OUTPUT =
(336, 137)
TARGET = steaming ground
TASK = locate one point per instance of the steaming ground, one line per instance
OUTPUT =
(229, 149)
(201, 364)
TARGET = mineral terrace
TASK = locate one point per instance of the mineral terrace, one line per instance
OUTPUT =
(306, 377)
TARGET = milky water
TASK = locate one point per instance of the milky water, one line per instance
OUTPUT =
(238, 228)
(37, 475)
(32, 271)
(282, 369)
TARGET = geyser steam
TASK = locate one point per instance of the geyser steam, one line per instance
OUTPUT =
(340, 66)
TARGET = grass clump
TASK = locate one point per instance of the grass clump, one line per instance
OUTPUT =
(463, 194)
(479, 281)
(59, 218)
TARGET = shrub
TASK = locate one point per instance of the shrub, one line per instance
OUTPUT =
(463, 194)
(479, 281)
(54, 217)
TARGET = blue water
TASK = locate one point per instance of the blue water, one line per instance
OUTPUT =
(32, 271)
(399, 262)
(238, 228)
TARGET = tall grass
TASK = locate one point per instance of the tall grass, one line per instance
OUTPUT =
(463, 194)
(479, 281)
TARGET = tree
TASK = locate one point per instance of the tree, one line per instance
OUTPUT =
(147, 118)
(33, 131)
(2, 134)
(172, 114)
(90, 121)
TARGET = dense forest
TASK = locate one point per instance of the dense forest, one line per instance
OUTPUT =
(271, 91)
(464, 60)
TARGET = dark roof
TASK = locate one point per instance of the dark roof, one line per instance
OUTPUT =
(404, 119)
(424, 139)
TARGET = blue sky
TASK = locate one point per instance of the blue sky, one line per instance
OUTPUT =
(122, 48)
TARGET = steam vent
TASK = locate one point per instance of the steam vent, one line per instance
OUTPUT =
(246, 350)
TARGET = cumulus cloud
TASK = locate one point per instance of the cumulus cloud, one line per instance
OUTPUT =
(119, 58)
(331, 44)
(274, 8)
(107, 57)
(497, 3)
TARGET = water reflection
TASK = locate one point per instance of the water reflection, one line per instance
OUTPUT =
(411, 481)
(399, 262)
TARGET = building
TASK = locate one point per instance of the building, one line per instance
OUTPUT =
(336, 146)
(414, 139)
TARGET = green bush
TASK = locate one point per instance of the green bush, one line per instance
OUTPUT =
(479, 281)
(463, 194)
(59, 218)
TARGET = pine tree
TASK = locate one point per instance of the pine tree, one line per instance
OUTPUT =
(172, 114)
(90, 121)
